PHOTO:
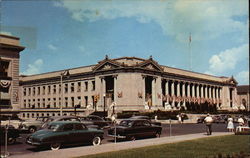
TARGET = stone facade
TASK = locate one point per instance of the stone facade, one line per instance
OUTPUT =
(124, 84)
(9, 73)
(243, 98)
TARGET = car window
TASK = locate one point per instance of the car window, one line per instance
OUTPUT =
(53, 127)
(146, 123)
(126, 123)
(68, 127)
(79, 127)
(138, 123)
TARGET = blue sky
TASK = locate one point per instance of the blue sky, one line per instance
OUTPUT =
(64, 34)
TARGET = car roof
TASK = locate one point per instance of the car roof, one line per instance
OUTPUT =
(64, 122)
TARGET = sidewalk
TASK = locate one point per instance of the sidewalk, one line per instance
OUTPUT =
(90, 150)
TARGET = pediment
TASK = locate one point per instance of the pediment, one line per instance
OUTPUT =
(151, 65)
(106, 65)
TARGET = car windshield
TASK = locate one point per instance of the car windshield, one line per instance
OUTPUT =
(127, 123)
(53, 127)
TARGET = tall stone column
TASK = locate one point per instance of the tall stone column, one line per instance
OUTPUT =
(198, 91)
(188, 89)
(153, 92)
(183, 95)
(167, 91)
(115, 88)
(209, 91)
(178, 93)
(172, 93)
(217, 97)
(193, 90)
(206, 92)
(202, 91)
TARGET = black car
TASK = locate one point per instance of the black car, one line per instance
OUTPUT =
(12, 134)
(132, 129)
(61, 133)
(146, 118)
(100, 122)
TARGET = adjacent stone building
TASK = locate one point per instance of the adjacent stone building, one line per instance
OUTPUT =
(10, 49)
(124, 84)
(244, 97)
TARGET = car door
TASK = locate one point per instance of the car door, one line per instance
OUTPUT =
(81, 134)
(68, 133)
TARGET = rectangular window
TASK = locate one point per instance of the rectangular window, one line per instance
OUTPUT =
(72, 101)
(54, 100)
(24, 103)
(79, 100)
(29, 91)
(86, 100)
(86, 86)
(38, 90)
(66, 102)
(66, 88)
(43, 90)
(38, 103)
(33, 91)
(54, 89)
(43, 102)
(49, 89)
(72, 87)
(93, 85)
(24, 91)
(79, 87)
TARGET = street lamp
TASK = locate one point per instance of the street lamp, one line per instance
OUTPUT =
(63, 74)
(104, 104)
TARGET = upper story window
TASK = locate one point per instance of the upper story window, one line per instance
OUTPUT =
(43, 90)
(49, 89)
(54, 89)
(4, 68)
(86, 86)
(38, 90)
(66, 88)
(93, 85)
(24, 91)
(72, 87)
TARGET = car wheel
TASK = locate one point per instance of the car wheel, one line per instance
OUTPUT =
(132, 138)
(96, 140)
(11, 140)
(158, 134)
(32, 129)
(55, 146)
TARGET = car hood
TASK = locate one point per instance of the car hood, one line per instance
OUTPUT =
(41, 133)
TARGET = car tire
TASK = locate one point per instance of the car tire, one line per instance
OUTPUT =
(96, 140)
(55, 146)
(132, 138)
(11, 140)
(157, 134)
(32, 129)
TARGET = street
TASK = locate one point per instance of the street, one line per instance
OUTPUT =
(176, 129)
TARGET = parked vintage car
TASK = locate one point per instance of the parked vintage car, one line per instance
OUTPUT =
(32, 125)
(10, 120)
(59, 118)
(201, 119)
(132, 129)
(61, 133)
(12, 134)
(219, 119)
(97, 120)
(146, 118)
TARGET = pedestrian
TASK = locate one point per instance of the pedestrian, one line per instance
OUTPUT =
(179, 118)
(182, 117)
(241, 121)
(230, 124)
(208, 120)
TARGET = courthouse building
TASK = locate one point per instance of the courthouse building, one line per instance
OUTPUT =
(110, 86)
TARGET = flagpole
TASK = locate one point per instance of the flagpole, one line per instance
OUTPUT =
(190, 53)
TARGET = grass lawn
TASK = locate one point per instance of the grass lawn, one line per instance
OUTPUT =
(201, 148)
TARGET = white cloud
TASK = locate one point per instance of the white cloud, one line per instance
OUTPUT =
(34, 68)
(205, 19)
(6, 33)
(227, 60)
(52, 47)
(243, 77)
